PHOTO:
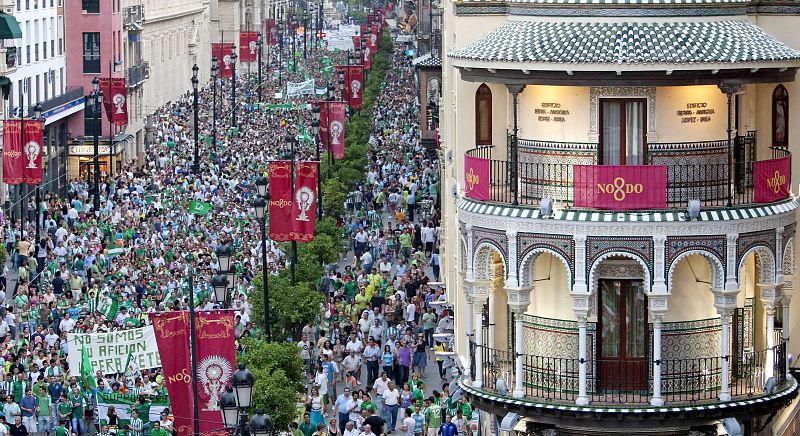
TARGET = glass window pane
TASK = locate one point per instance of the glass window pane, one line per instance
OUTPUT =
(635, 321)
(634, 133)
(609, 313)
(611, 132)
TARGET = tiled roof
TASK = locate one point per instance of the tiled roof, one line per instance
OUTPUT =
(628, 43)
(427, 60)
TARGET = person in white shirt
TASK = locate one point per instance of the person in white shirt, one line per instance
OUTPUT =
(411, 313)
(66, 324)
(407, 427)
(367, 431)
(350, 430)
(391, 402)
(352, 363)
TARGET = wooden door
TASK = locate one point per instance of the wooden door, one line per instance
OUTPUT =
(622, 345)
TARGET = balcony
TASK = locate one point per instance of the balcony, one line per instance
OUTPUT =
(694, 171)
(693, 382)
(137, 74)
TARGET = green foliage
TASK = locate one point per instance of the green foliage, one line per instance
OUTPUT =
(278, 372)
(291, 307)
(4, 255)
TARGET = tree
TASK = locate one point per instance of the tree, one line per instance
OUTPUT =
(291, 307)
(278, 372)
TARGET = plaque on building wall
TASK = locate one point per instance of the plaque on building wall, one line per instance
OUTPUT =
(550, 112)
(697, 112)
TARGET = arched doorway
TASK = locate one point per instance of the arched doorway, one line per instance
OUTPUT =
(483, 115)
(780, 117)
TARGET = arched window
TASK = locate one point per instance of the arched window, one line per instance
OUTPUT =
(483, 115)
(780, 117)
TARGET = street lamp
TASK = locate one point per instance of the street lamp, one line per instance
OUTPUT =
(95, 98)
(260, 48)
(234, 57)
(315, 115)
(214, 74)
(224, 277)
(37, 115)
(195, 83)
(260, 206)
(234, 412)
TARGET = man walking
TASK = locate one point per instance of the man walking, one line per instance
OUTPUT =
(344, 405)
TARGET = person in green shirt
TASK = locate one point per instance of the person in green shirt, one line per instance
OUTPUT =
(43, 403)
(61, 429)
(405, 244)
(418, 392)
(64, 408)
(350, 288)
(466, 408)
(305, 427)
(157, 430)
(433, 415)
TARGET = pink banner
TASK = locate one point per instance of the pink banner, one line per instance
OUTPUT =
(336, 128)
(620, 187)
(476, 177)
(216, 354)
(771, 179)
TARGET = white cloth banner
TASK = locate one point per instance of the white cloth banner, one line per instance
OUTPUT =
(108, 352)
(293, 89)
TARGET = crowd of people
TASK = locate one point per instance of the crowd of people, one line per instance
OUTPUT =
(140, 246)
(386, 317)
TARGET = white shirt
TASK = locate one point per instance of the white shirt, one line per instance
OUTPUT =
(380, 385)
(411, 310)
(366, 258)
(391, 397)
(352, 432)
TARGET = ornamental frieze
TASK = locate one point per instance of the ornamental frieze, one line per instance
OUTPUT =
(599, 246)
(561, 244)
(715, 245)
(764, 238)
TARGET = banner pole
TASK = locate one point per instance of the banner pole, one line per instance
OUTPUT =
(196, 408)
(294, 243)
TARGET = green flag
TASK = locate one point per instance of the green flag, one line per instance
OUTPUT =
(87, 374)
(108, 307)
(116, 251)
(132, 371)
(199, 208)
(209, 139)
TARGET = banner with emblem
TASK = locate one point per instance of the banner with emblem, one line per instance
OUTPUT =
(324, 109)
(620, 187)
(248, 47)
(771, 179)
(115, 100)
(223, 52)
(12, 152)
(270, 31)
(32, 152)
(476, 177)
(216, 354)
(172, 336)
(356, 86)
(305, 201)
(280, 202)
(336, 128)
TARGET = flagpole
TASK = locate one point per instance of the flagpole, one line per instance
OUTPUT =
(195, 398)
(294, 243)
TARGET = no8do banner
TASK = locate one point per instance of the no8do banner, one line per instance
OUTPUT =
(108, 352)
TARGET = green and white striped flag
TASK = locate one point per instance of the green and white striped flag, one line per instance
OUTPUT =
(123, 403)
(108, 307)
(199, 208)
(132, 371)
(116, 251)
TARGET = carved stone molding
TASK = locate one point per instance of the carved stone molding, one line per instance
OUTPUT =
(529, 245)
(597, 92)
(620, 269)
(518, 299)
(747, 241)
(713, 248)
(639, 247)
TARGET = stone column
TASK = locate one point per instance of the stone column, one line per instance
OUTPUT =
(480, 293)
(658, 308)
(725, 302)
(580, 305)
(769, 297)
(468, 297)
(787, 292)
(518, 302)
(492, 317)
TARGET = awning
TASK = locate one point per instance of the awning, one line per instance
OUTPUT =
(9, 28)
(4, 80)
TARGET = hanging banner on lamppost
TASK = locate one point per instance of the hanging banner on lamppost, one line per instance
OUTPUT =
(324, 135)
(223, 52)
(12, 152)
(305, 200)
(215, 360)
(247, 46)
(32, 151)
(172, 336)
(356, 86)
(336, 128)
(280, 202)
(115, 100)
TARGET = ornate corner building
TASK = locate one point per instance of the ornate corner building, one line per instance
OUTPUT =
(620, 213)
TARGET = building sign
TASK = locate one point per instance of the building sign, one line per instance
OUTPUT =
(476, 178)
(771, 179)
(551, 113)
(87, 150)
(620, 187)
(698, 112)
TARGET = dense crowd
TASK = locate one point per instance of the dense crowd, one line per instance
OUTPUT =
(136, 252)
(370, 355)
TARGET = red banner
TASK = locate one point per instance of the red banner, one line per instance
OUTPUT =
(620, 187)
(248, 47)
(367, 54)
(115, 100)
(336, 128)
(476, 177)
(172, 337)
(270, 31)
(771, 179)
(305, 200)
(280, 202)
(216, 354)
(324, 136)
(223, 52)
(356, 86)
(32, 152)
(12, 152)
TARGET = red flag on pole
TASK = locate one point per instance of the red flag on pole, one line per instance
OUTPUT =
(336, 128)
(305, 200)
(248, 46)
(280, 203)
(172, 337)
(323, 124)
(343, 71)
(356, 86)
(223, 52)
(271, 31)
(115, 100)
(32, 151)
(215, 365)
(12, 152)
